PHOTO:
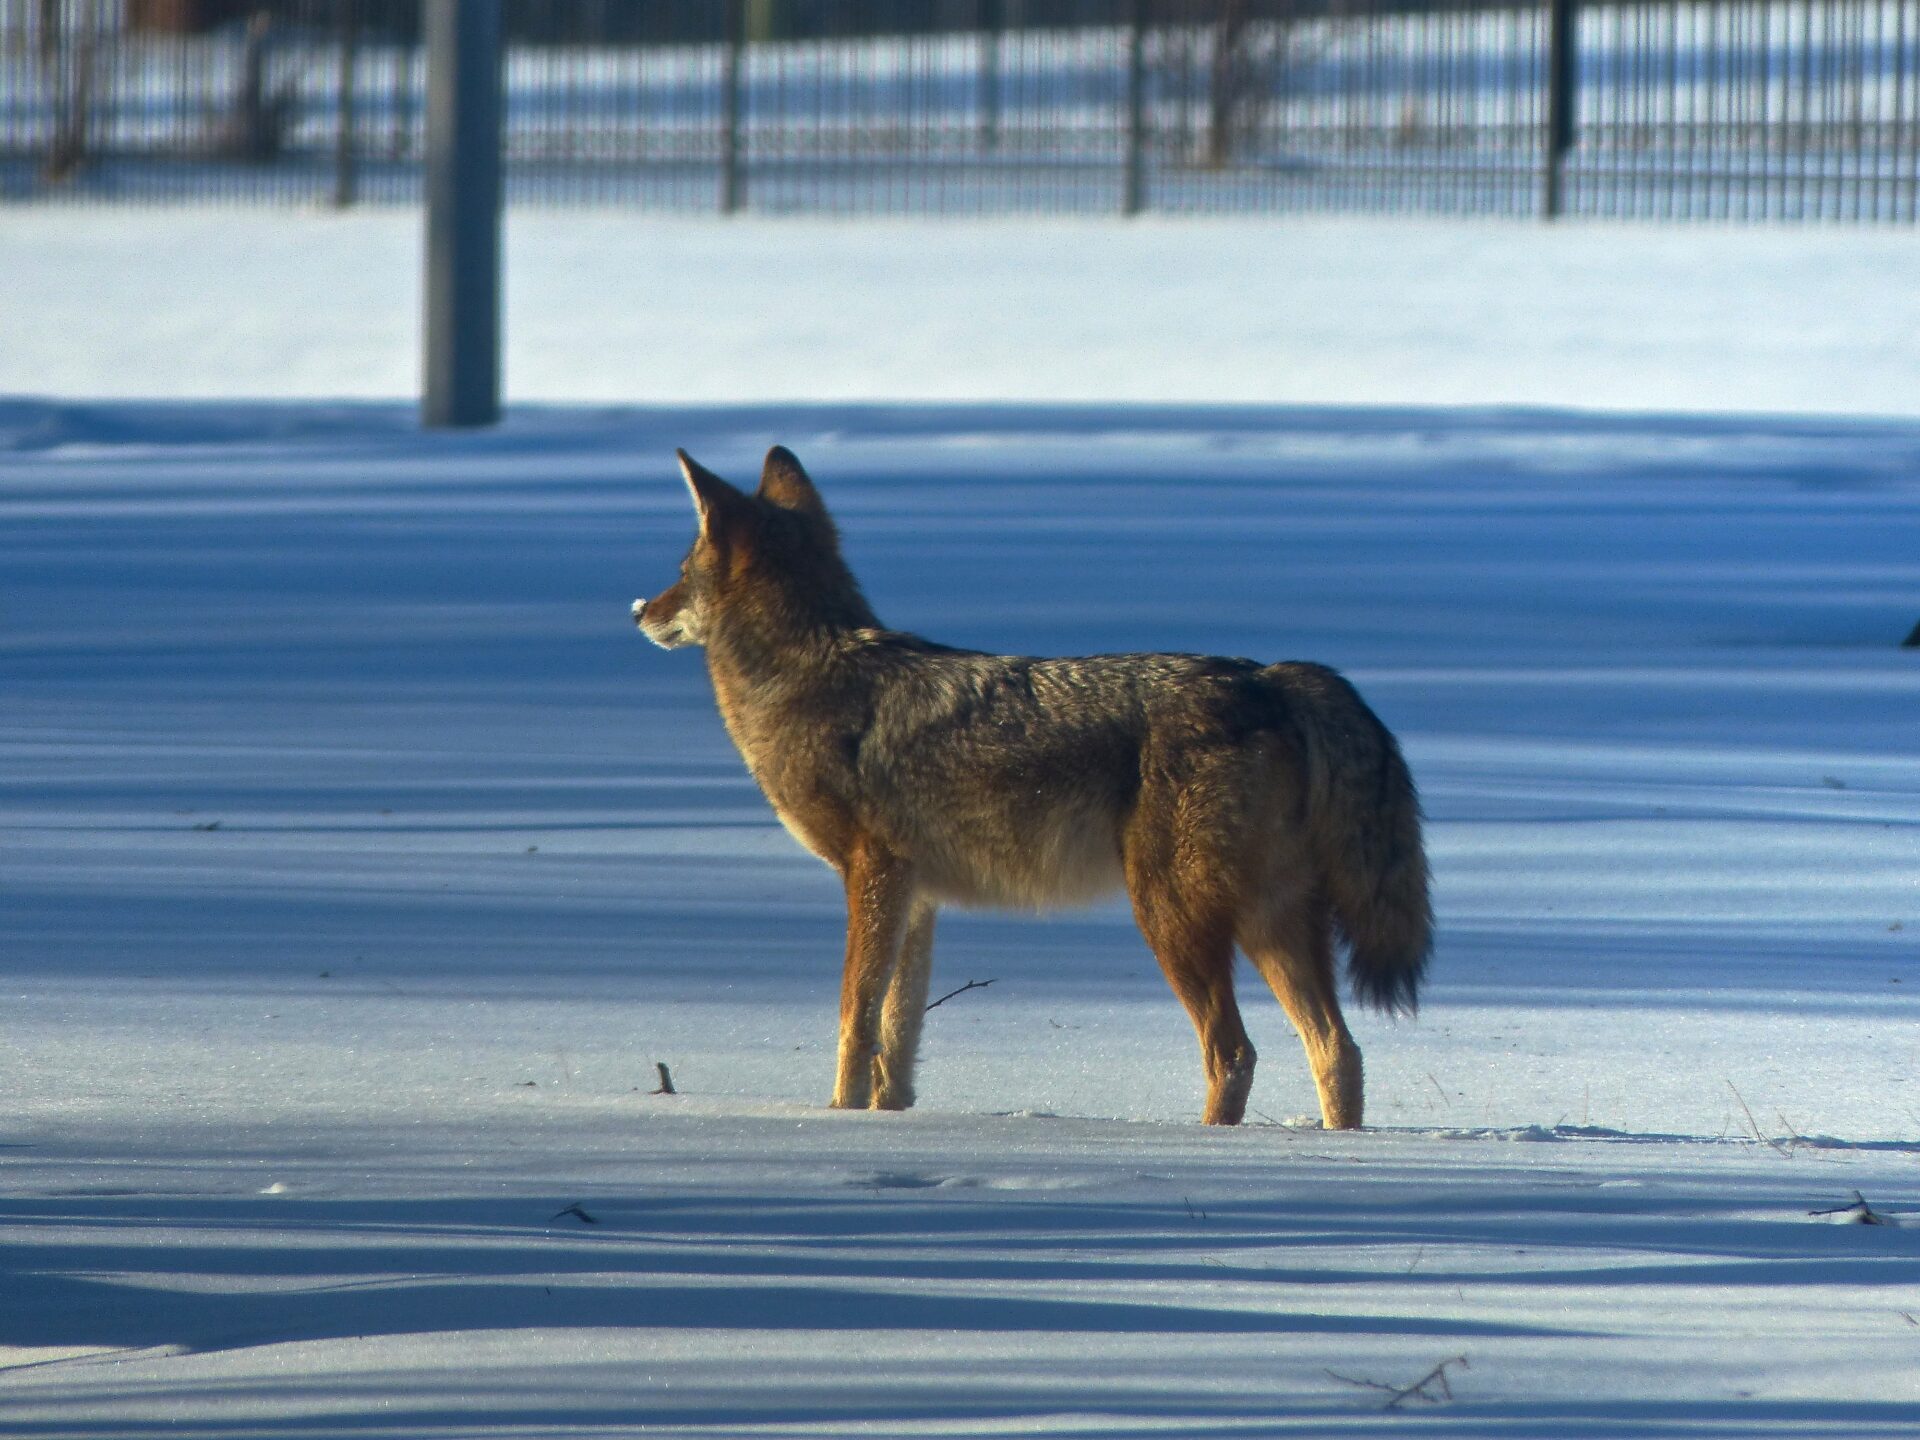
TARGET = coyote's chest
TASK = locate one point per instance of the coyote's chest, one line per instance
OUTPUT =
(798, 760)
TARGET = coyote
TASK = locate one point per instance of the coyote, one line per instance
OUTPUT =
(1263, 806)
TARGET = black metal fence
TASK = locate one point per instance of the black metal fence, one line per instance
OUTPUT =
(1739, 109)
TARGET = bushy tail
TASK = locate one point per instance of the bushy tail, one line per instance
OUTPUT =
(1366, 827)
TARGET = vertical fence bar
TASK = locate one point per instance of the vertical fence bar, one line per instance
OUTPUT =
(1902, 133)
(1716, 184)
(1803, 168)
(346, 178)
(734, 19)
(1670, 140)
(1826, 191)
(462, 361)
(1133, 184)
(991, 22)
(1562, 96)
(400, 132)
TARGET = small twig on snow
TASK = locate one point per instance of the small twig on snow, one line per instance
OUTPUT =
(1862, 1213)
(970, 985)
(1361, 1384)
(1431, 1387)
(665, 1087)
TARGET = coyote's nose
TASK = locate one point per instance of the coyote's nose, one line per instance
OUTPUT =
(639, 609)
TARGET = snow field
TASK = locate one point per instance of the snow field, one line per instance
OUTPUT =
(361, 863)
(604, 307)
(358, 863)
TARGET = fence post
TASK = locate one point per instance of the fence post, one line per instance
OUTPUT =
(1226, 83)
(345, 175)
(462, 362)
(69, 56)
(1563, 83)
(991, 21)
(732, 44)
(1133, 186)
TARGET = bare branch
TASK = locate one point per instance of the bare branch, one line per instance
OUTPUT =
(1361, 1384)
(970, 985)
(1861, 1212)
(1432, 1387)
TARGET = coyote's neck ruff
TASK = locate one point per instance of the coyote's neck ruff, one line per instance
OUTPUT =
(1263, 807)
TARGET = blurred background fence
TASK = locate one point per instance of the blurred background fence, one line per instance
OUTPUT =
(1743, 109)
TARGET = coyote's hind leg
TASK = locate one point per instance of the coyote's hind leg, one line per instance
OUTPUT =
(1295, 955)
(903, 1012)
(1196, 954)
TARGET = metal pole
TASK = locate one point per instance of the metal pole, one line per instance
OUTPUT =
(1133, 188)
(462, 381)
(734, 42)
(1562, 98)
(345, 176)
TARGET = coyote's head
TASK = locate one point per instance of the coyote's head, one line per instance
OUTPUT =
(765, 565)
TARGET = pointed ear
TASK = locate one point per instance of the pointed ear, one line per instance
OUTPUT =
(714, 498)
(783, 482)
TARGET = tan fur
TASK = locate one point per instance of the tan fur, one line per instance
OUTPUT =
(1241, 805)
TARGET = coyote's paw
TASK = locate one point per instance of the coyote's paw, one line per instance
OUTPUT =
(851, 1097)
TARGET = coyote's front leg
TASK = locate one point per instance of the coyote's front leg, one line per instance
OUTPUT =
(879, 898)
(903, 1011)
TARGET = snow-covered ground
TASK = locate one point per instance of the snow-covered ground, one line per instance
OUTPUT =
(358, 862)
(606, 307)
